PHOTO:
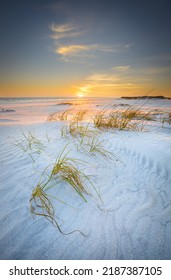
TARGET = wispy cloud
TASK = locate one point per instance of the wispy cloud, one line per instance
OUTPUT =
(57, 36)
(72, 49)
(109, 89)
(109, 83)
(102, 78)
(60, 28)
(67, 30)
(62, 32)
(121, 68)
(84, 50)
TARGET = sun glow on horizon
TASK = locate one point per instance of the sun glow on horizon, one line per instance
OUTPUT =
(80, 94)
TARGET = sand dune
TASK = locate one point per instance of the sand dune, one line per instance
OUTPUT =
(133, 220)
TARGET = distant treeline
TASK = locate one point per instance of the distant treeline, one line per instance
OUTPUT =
(145, 97)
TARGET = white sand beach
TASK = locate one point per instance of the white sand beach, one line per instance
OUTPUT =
(128, 210)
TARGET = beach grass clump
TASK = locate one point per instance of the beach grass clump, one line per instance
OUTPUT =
(64, 169)
(100, 119)
(166, 118)
(31, 140)
(64, 116)
(95, 146)
(30, 144)
(120, 120)
(131, 114)
(79, 116)
(77, 130)
(52, 117)
(41, 205)
(137, 115)
(117, 119)
(169, 118)
(147, 116)
(67, 115)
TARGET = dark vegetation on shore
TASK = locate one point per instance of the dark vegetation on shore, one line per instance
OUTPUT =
(145, 97)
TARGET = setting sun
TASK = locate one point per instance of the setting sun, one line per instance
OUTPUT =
(80, 94)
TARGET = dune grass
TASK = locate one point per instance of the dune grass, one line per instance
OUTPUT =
(59, 116)
(32, 140)
(79, 116)
(64, 169)
(41, 205)
(52, 117)
(77, 130)
(130, 113)
(100, 119)
(166, 118)
(137, 115)
(120, 120)
(112, 120)
(169, 118)
(94, 146)
(64, 116)
(30, 144)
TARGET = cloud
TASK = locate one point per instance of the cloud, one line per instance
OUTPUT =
(109, 89)
(109, 83)
(60, 28)
(121, 68)
(104, 48)
(102, 78)
(61, 33)
(66, 30)
(74, 50)
(58, 36)
(71, 50)
(127, 46)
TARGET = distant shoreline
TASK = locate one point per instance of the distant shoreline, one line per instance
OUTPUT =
(145, 97)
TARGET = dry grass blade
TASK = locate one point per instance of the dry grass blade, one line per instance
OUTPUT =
(31, 140)
(76, 130)
(59, 117)
(41, 205)
(95, 146)
(52, 117)
(116, 119)
(30, 144)
(100, 119)
(65, 169)
(166, 118)
(130, 114)
(64, 115)
(169, 118)
(79, 116)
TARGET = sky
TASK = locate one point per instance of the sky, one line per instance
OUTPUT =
(85, 48)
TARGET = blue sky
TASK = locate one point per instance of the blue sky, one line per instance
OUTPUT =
(88, 48)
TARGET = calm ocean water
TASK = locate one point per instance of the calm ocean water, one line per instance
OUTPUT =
(12, 100)
(35, 110)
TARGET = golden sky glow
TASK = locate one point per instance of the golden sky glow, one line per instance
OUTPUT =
(68, 49)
